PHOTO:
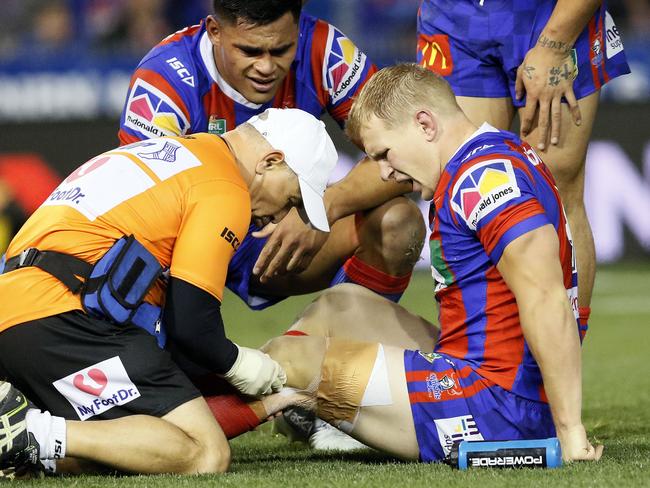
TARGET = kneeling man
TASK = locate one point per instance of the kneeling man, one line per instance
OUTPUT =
(145, 226)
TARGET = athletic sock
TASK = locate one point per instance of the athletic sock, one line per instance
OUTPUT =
(583, 319)
(49, 466)
(234, 415)
(354, 270)
(49, 431)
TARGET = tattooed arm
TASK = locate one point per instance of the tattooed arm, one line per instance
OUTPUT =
(548, 70)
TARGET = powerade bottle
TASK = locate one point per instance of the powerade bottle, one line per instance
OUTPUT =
(531, 453)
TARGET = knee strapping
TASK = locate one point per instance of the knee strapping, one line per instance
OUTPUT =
(353, 375)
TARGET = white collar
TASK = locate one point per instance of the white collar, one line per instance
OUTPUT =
(481, 130)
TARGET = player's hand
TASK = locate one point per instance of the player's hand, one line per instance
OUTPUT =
(576, 446)
(255, 373)
(291, 246)
(545, 76)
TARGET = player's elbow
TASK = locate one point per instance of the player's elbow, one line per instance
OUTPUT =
(542, 297)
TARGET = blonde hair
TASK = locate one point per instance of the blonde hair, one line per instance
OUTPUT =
(396, 92)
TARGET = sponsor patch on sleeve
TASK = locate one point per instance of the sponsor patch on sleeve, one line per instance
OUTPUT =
(482, 188)
(98, 388)
(344, 65)
(153, 113)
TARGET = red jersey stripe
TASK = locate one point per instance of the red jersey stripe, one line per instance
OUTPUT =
(491, 233)
(592, 55)
(216, 104)
(504, 340)
(176, 36)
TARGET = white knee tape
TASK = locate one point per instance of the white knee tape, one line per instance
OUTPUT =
(378, 389)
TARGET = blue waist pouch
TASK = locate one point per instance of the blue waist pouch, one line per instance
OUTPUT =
(118, 284)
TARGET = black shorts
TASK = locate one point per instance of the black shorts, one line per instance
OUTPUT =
(82, 368)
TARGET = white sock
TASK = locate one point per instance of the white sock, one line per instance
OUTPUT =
(49, 465)
(49, 431)
(286, 391)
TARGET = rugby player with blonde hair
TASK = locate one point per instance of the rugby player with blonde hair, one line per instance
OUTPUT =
(507, 362)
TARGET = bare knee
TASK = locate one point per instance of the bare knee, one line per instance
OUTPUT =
(329, 311)
(215, 460)
(392, 236)
(568, 168)
(205, 456)
(300, 357)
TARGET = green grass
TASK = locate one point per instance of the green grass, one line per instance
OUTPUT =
(616, 408)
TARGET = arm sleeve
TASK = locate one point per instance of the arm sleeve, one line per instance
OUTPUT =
(193, 321)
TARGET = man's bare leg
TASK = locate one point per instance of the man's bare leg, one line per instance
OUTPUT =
(566, 160)
(388, 427)
(371, 425)
(353, 312)
(186, 441)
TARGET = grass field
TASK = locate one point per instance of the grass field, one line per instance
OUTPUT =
(616, 408)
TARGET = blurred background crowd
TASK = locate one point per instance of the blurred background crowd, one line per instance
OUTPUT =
(65, 67)
(78, 32)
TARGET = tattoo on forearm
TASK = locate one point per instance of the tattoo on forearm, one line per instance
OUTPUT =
(528, 71)
(544, 41)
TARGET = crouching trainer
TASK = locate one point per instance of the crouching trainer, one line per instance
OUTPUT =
(121, 270)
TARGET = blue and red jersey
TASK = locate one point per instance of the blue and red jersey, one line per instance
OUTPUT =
(177, 89)
(493, 190)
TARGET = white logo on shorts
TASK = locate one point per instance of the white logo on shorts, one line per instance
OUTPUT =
(98, 388)
(614, 44)
(455, 429)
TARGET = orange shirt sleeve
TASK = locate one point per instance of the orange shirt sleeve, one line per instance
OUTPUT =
(215, 221)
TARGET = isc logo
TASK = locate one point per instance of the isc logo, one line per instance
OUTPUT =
(230, 237)
(181, 71)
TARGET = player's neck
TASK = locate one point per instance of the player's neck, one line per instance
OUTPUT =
(244, 153)
(457, 131)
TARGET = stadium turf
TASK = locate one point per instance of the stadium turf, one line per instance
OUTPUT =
(616, 409)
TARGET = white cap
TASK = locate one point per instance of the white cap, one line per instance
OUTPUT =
(308, 150)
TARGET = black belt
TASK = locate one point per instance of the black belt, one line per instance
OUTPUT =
(63, 267)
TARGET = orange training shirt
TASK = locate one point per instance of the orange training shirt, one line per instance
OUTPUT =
(183, 198)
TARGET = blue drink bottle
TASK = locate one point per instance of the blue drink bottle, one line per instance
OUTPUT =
(531, 453)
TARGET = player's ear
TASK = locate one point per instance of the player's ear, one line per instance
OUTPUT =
(213, 28)
(269, 161)
(428, 124)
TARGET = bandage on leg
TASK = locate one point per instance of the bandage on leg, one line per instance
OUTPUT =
(353, 375)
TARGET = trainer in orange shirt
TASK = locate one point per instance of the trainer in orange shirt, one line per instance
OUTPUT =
(187, 202)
